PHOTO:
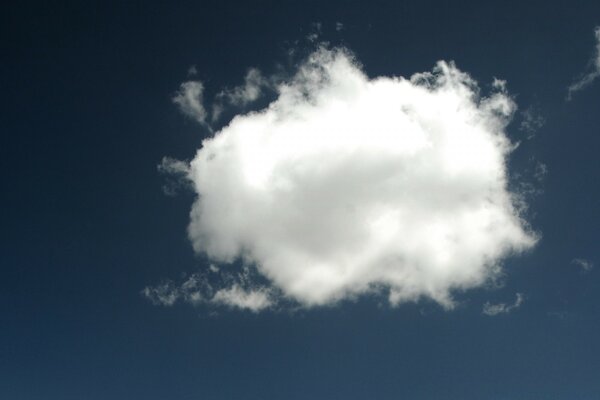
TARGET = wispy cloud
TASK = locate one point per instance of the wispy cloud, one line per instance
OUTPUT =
(223, 288)
(583, 264)
(346, 185)
(240, 96)
(165, 294)
(502, 308)
(176, 173)
(531, 121)
(192, 70)
(593, 70)
(190, 99)
(315, 32)
(237, 297)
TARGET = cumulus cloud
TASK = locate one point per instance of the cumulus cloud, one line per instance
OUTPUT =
(502, 308)
(347, 186)
(190, 100)
(586, 79)
(583, 264)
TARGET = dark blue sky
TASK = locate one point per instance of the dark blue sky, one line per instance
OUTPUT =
(86, 116)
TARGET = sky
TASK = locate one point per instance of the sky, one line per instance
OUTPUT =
(300, 200)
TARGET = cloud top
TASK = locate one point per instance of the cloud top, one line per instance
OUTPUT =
(345, 186)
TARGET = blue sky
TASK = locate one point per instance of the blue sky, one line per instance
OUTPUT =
(106, 285)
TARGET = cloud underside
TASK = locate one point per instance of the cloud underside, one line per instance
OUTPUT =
(347, 186)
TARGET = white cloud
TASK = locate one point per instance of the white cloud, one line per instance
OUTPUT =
(339, 26)
(502, 308)
(190, 100)
(173, 166)
(586, 79)
(176, 174)
(531, 121)
(585, 265)
(225, 289)
(241, 96)
(194, 290)
(164, 294)
(346, 185)
(237, 297)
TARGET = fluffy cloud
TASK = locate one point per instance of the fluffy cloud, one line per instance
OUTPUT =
(586, 79)
(346, 185)
(189, 98)
(502, 308)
